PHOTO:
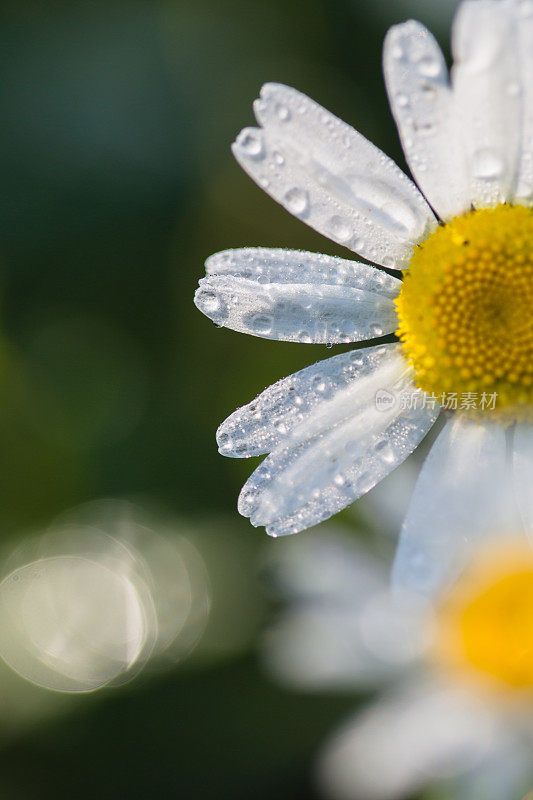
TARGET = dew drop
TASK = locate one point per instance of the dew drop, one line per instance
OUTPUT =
(251, 143)
(278, 158)
(385, 451)
(429, 67)
(488, 164)
(402, 100)
(428, 92)
(340, 229)
(352, 448)
(224, 441)
(397, 52)
(209, 301)
(261, 323)
(376, 330)
(319, 383)
(356, 360)
(339, 479)
(297, 201)
(283, 113)
(365, 482)
(304, 337)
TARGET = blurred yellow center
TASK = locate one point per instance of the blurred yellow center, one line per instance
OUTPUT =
(465, 310)
(487, 621)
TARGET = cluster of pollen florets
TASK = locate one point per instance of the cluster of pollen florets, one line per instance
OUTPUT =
(466, 309)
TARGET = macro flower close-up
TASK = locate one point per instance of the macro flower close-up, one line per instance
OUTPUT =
(450, 274)
(371, 229)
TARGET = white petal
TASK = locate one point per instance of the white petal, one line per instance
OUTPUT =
(295, 297)
(462, 495)
(523, 473)
(422, 103)
(337, 454)
(524, 189)
(504, 774)
(263, 424)
(341, 628)
(486, 85)
(325, 566)
(420, 733)
(330, 176)
(265, 265)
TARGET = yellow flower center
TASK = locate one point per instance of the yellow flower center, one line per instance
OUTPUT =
(486, 623)
(465, 311)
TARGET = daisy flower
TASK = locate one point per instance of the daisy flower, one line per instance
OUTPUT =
(455, 672)
(462, 312)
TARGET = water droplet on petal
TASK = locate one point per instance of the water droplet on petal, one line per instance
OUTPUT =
(340, 229)
(402, 100)
(283, 113)
(488, 164)
(397, 52)
(429, 67)
(251, 142)
(385, 451)
(353, 448)
(209, 302)
(297, 201)
(261, 323)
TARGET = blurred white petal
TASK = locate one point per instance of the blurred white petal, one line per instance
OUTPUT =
(324, 565)
(463, 494)
(332, 178)
(420, 733)
(505, 774)
(300, 297)
(422, 103)
(523, 473)
(342, 629)
(385, 507)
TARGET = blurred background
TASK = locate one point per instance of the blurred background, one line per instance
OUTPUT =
(116, 183)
